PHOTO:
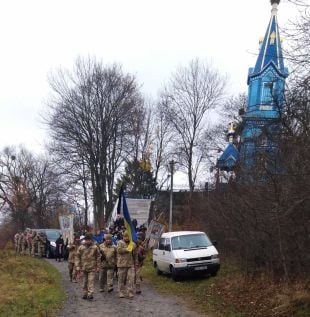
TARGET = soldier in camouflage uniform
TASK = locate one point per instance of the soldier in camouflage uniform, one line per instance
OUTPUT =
(19, 242)
(34, 243)
(29, 241)
(16, 239)
(108, 262)
(41, 239)
(125, 267)
(71, 261)
(139, 259)
(88, 261)
(22, 242)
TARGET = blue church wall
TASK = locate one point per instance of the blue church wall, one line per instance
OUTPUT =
(266, 89)
(253, 97)
(266, 86)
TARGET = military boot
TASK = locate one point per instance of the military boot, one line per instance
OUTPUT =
(138, 289)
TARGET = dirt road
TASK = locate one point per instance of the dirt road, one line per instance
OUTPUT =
(149, 303)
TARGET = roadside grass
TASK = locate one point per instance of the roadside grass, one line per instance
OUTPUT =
(232, 294)
(29, 287)
(200, 293)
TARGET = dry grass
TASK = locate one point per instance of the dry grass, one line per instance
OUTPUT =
(230, 294)
(29, 287)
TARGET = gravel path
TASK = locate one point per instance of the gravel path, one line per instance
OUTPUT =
(149, 303)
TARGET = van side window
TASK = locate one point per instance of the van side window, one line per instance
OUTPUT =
(161, 245)
(167, 245)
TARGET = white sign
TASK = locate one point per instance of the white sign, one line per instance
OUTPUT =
(66, 227)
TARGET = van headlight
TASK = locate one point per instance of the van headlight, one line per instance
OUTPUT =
(214, 256)
(53, 244)
(180, 260)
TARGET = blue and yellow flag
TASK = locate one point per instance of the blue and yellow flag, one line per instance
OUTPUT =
(127, 220)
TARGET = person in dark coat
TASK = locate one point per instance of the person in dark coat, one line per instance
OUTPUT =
(59, 248)
(135, 224)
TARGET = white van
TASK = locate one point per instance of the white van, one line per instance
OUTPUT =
(184, 252)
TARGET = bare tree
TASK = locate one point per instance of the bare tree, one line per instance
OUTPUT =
(15, 197)
(161, 142)
(298, 42)
(190, 96)
(91, 116)
(77, 177)
(31, 189)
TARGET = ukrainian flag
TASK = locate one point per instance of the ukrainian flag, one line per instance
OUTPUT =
(127, 221)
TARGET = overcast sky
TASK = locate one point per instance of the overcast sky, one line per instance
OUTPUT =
(150, 38)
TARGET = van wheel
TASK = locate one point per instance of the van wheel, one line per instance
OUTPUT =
(158, 271)
(175, 276)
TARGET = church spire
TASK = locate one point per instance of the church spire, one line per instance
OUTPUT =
(271, 50)
(266, 86)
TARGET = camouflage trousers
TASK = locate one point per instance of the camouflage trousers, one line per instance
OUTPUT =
(72, 271)
(41, 249)
(24, 248)
(88, 282)
(29, 245)
(125, 280)
(106, 279)
(34, 246)
(138, 278)
(16, 248)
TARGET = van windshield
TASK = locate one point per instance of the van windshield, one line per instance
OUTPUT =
(52, 234)
(190, 241)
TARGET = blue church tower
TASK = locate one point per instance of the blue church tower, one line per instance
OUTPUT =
(266, 84)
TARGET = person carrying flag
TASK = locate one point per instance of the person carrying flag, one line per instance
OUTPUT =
(125, 252)
(125, 266)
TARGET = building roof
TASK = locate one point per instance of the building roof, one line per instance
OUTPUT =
(229, 158)
(271, 50)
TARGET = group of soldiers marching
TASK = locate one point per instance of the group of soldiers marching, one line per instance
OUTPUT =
(86, 258)
(124, 261)
(30, 242)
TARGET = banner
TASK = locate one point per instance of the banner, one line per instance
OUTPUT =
(153, 233)
(66, 227)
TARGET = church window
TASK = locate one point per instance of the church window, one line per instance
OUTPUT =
(267, 93)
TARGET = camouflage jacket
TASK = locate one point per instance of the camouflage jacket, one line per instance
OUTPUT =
(35, 239)
(88, 258)
(124, 258)
(72, 253)
(140, 255)
(22, 239)
(41, 238)
(25, 238)
(29, 237)
(108, 255)
(16, 238)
